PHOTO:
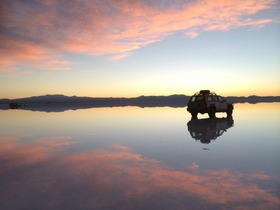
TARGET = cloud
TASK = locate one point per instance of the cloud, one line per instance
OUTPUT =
(35, 31)
(19, 52)
(53, 64)
(120, 56)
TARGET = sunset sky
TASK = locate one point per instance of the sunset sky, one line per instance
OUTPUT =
(128, 48)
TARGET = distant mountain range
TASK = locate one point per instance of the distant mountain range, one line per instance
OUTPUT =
(56, 103)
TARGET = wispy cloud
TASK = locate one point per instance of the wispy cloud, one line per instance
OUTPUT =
(16, 52)
(35, 31)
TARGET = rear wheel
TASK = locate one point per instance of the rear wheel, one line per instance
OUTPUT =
(194, 114)
(212, 112)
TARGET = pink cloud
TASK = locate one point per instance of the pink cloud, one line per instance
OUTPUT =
(18, 52)
(35, 32)
(53, 64)
(7, 68)
(120, 56)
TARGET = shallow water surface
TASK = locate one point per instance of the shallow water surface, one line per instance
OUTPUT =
(140, 158)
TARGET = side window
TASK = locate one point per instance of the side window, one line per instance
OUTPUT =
(221, 99)
(199, 98)
(209, 98)
(193, 99)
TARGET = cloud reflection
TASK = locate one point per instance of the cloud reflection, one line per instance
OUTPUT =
(39, 175)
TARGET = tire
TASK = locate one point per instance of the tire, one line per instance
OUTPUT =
(194, 114)
(229, 111)
(212, 112)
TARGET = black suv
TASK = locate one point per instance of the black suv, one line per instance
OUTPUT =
(208, 102)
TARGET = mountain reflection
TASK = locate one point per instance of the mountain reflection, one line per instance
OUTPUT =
(207, 130)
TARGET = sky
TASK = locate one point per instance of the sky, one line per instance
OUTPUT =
(128, 48)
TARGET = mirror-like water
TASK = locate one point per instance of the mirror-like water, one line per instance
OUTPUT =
(140, 158)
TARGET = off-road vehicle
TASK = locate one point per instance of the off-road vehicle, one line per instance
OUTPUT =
(208, 102)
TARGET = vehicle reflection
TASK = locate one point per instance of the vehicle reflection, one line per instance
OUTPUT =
(207, 130)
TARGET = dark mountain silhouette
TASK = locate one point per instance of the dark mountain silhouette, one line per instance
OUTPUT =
(57, 103)
(62, 103)
(253, 99)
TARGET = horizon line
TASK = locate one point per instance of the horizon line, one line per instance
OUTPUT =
(133, 96)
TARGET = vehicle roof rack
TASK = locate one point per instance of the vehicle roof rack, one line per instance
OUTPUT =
(204, 92)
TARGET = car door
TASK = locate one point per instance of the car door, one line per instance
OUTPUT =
(214, 101)
(222, 103)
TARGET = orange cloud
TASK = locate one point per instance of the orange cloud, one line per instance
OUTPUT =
(18, 52)
(32, 32)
